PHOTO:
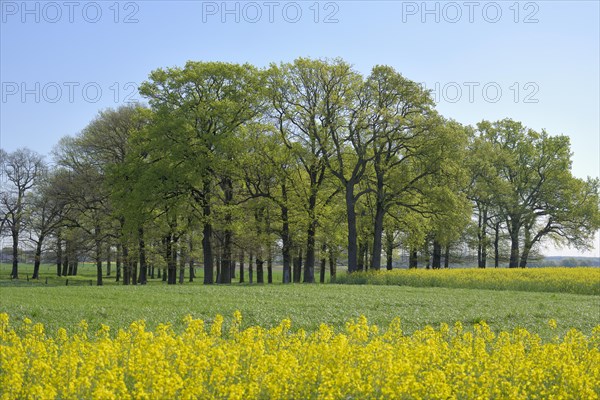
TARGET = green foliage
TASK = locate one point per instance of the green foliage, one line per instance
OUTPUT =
(528, 181)
(312, 158)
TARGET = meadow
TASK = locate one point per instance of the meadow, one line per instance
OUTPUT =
(304, 340)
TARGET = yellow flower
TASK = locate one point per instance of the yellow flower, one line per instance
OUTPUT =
(362, 361)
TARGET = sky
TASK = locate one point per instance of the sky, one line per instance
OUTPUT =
(537, 62)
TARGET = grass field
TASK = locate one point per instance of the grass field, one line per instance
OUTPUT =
(87, 272)
(306, 305)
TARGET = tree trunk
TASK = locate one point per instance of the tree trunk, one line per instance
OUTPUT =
(514, 245)
(97, 238)
(207, 233)
(482, 238)
(309, 263)
(259, 270)
(142, 250)
(38, 258)
(207, 249)
(526, 247)
(126, 266)
(413, 259)
(225, 276)
(71, 270)
(15, 255)
(437, 255)
(242, 266)
(352, 232)
(218, 267)
(378, 223)
(360, 264)
(250, 269)
(227, 186)
(169, 258)
(285, 237)
(524, 257)
(332, 266)
(108, 260)
(389, 250)
(192, 273)
(119, 261)
(58, 255)
(270, 266)
(133, 275)
(65, 261)
(447, 257)
(323, 263)
(172, 267)
(497, 245)
(181, 268)
(298, 267)
(191, 260)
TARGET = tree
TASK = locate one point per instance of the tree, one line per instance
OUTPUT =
(297, 109)
(90, 162)
(536, 192)
(268, 167)
(401, 124)
(21, 169)
(198, 111)
(45, 215)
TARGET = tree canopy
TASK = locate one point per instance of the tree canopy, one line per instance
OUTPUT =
(302, 164)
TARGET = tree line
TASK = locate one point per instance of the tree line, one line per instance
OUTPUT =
(308, 163)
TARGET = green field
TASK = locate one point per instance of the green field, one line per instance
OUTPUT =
(308, 305)
(87, 272)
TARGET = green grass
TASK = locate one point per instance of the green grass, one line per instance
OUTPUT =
(87, 272)
(57, 305)
(306, 305)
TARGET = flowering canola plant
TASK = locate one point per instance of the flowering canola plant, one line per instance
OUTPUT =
(362, 361)
(580, 280)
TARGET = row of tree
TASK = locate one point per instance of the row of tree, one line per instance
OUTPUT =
(304, 162)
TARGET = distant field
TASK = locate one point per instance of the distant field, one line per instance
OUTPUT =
(87, 272)
(581, 280)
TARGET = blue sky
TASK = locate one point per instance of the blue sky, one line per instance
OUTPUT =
(537, 62)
